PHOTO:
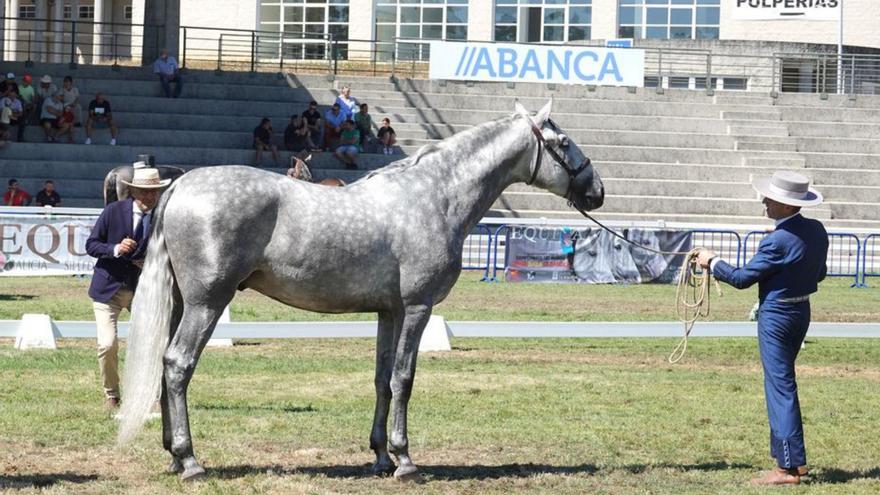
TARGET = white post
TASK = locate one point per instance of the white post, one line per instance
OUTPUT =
(12, 31)
(57, 32)
(840, 85)
(39, 34)
(98, 51)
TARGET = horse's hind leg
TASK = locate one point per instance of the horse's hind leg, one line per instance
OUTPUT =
(181, 356)
(176, 466)
(389, 331)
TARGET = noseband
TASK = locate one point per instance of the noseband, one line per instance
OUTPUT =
(542, 143)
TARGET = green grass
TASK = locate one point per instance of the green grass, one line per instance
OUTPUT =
(470, 299)
(499, 416)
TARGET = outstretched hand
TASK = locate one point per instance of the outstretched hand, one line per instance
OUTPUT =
(704, 257)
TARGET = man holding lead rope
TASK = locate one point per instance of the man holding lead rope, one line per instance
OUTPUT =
(789, 264)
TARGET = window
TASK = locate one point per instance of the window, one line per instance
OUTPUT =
(669, 19)
(67, 11)
(86, 12)
(27, 11)
(305, 28)
(419, 19)
(128, 12)
(551, 21)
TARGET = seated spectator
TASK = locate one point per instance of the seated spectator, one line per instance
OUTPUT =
(387, 136)
(347, 104)
(347, 151)
(8, 83)
(169, 72)
(364, 123)
(71, 100)
(99, 113)
(45, 91)
(28, 96)
(333, 120)
(297, 137)
(299, 169)
(263, 140)
(12, 113)
(48, 196)
(16, 196)
(52, 118)
(314, 122)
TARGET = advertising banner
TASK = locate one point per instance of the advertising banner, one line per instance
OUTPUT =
(804, 10)
(40, 245)
(593, 256)
(512, 62)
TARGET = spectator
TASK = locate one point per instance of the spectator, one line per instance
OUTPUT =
(48, 196)
(298, 167)
(15, 196)
(314, 122)
(71, 101)
(364, 123)
(52, 118)
(347, 104)
(12, 112)
(99, 113)
(333, 120)
(347, 150)
(7, 83)
(45, 92)
(168, 71)
(28, 95)
(387, 136)
(263, 140)
(296, 135)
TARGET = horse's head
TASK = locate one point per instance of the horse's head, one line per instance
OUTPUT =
(560, 166)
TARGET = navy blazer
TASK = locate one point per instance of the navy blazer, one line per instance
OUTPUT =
(790, 262)
(114, 225)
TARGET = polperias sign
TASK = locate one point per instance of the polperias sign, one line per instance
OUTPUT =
(810, 10)
(509, 62)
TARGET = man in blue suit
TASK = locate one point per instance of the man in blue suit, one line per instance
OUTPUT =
(119, 241)
(788, 266)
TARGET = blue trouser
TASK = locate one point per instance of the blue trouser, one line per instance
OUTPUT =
(781, 331)
(166, 85)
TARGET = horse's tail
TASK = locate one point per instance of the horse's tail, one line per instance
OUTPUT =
(151, 315)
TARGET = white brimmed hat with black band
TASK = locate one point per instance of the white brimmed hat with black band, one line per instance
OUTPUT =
(147, 178)
(789, 188)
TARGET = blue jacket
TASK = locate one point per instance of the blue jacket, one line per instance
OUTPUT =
(114, 225)
(790, 262)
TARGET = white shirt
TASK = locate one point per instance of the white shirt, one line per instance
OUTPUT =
(136, 215)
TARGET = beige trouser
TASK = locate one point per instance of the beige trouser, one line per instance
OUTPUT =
(106, 316)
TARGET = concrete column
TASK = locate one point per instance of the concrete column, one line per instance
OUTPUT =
(604, 19)
(39, 35)
(163, 30)
(481, 20)
(12, 29)
(99, 41)
(361, 19)
(58, 46)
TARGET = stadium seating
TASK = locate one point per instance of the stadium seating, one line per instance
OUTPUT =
(674, 155)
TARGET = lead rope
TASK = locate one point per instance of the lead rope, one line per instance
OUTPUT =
(691, 293)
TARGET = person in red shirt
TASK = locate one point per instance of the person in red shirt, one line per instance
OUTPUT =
(15, 196)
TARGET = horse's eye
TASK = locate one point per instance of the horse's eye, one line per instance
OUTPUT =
(563, 141)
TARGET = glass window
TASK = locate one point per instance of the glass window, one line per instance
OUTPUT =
(505, 15)
(268, 13)
(580, 15)
(707, 33)
(385, 33)
(681, 16)
(386, 13)
(409, 31)
(505, 33)
(708, 15)
(337, 13)
(293, 14)
(578, 33)
(315, 14)
(658, 16)
(554, 16)
(653, 32)
(736, 83)
(680, 33)
(554, 33)
(672, 19)
(560, 20)
(410, 14)
(457, 15)
(432, 31)
(627, 15)
(456, 32)
(432, 15)
(679, 82)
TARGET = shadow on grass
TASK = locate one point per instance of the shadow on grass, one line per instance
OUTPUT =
(251, 408)
(43, 480)
(16, 297)
(457, 473)
(839, 476)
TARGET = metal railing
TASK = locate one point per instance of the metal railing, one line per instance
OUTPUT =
(870, 258)
(844, 253)
(477, 251)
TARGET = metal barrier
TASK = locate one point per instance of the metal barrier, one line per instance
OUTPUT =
(726, 243)
(477, 251)
(870, 258)
(844, 253)
(496, 245)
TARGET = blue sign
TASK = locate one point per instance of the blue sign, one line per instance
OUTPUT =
(619, 43)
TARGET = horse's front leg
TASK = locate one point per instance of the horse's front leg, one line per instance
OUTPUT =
(389, 331)
(414, 321)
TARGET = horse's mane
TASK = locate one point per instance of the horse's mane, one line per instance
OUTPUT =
(432, 149)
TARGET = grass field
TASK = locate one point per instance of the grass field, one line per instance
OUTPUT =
(501, 416)
(470, 299)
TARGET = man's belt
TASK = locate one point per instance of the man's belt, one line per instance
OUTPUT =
(794, 300)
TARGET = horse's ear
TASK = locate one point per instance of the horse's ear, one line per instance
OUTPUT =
(307, 158)
(521, 110)
(544, 113)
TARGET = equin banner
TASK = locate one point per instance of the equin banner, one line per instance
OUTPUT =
(39, 245)
(511, 62)
(797, 10)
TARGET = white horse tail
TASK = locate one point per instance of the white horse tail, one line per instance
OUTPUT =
(151, 313)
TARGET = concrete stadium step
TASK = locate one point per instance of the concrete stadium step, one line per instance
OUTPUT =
(789, 162)
(834, 129)
(845, 115)
(839, 145)
(850, 193)
(751, 115)
(664, 187)
(844, 160)
(748, 129)
(601, 153)
(861, 211)
(698, 219)
(737, 99)
(751, 144)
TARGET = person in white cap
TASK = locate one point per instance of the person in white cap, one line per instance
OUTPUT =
(46, 90)
(119, 240)
(788, 266)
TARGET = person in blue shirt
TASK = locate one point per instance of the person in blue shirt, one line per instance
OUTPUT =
(169, 72)
(788, 266)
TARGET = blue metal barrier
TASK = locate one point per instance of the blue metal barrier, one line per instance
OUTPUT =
(844, 253)
(870, 258)
(477, 251)
(495, 244)
(726, 243)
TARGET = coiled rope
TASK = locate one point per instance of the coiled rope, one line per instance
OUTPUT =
(691, 293)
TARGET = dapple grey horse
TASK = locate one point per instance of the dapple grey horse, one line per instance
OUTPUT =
(390, 243)
(114, 189)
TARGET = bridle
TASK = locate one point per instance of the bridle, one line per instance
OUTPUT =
(542, 144)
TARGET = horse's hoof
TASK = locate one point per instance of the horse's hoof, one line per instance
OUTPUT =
(408, 474)
(175, 466)
(382, 469)
(192, 474)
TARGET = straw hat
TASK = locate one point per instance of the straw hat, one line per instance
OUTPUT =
(789, 188)
(147, 178)
(47, 79)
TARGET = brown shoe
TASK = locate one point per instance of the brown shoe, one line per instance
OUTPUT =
(111, 404)
(803, 471)
(778, 476)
